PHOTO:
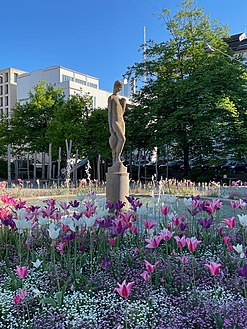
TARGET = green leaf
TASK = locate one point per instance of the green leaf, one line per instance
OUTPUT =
(49, 301)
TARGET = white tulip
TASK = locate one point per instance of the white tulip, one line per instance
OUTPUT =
(243, 220)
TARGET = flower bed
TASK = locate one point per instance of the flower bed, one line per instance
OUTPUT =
(86, 264)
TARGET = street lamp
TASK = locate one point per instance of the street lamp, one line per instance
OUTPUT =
(213, 49)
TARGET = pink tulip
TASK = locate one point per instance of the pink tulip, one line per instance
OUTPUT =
(169, 226)
(213, 206)
(136, 250)
(226, 239)
(214, 268)
(149, 267)
(230, 248)
(219, 229)
(181, 242)
(124, 289)
(23, 294)
(195, 203)
(166, 234)
(17, 299)
(230, 222)
(165, 210)
(21, 272)
(192, 243)
(176, 220)
(184, 260)
(134, 229)
(60, 248)
(149, 224)
(145, 275)
(154, 242)
(236, 205)
(112, 241)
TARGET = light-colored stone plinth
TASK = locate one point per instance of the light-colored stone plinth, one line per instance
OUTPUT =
(117, 184)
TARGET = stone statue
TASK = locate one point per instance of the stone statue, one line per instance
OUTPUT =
(116, 109)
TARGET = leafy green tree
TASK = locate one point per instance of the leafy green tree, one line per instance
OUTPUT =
(193, 98)
(27, 128)
(69, 122)
(96, 134)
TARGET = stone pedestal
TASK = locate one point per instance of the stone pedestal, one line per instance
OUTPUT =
(117, 184)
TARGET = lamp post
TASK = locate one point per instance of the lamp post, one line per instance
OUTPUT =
(213, 49)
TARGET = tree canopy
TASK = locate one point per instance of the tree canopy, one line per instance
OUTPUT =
(47, 117)
(193, 98)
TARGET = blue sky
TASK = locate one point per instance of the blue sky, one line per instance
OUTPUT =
(98, 37)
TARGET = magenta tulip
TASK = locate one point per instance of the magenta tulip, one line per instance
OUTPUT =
(21, 272)
(214, 268)
(154, 242)
(149, 267)
(145, 275)
(124, 289)
(192, 243)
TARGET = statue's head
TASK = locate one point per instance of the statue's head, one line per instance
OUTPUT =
(118, 85)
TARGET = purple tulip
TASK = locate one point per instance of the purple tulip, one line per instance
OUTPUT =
(205, 222)
(242, 271)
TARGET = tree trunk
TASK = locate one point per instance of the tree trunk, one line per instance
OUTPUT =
(186, 161)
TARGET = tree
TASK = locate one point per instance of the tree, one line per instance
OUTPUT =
(193, 98)
(27, 128)
(69, 122)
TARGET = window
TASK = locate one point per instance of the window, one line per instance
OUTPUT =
(1, 101)
(6, 77)
(1, 79)
(1, 90)
(67, 78)
(6, 101)
(82, 82)
(93, 85)
(6, 89)
(94, 102)
(1, 113)
(15, 77)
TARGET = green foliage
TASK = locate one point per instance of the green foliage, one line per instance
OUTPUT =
(96, 134)
(47, 117)
(27, 129)
(192, 98)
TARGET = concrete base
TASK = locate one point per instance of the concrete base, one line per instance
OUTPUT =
(117, 184)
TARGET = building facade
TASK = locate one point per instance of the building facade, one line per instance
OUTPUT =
(8, 87)
(70, 81)
(238, 43)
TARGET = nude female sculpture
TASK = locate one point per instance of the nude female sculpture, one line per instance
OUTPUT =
(116, 109)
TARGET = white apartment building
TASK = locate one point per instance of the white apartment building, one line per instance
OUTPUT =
(70, 81)
(8, 83)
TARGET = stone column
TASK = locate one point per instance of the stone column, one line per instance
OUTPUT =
(117, 184)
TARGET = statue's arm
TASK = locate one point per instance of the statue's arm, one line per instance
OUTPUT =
(110, 114)
(123, 104)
